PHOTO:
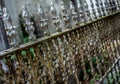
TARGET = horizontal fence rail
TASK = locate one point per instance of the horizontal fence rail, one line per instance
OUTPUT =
(74, 55)
(89, 53)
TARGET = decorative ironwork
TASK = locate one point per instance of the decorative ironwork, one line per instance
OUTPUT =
(65, 15)
(81, 13)
(29, 25)
(103, 8)
(43, 20)
(74, 14)
(93, 9)
(99, 8)
(87, 54)
(55, 18)
(108, 6)
(87, 11)
(9, 28)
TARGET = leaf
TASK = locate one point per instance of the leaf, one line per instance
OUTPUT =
(26, 40)
(32, 52)
(23, 53)
(93, 60)
(97, 77)
(89, 71)
(92, 81)
(110, 79)
(13, 57)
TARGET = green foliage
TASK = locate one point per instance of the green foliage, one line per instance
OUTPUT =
(110, 79)
(22, 24)
(23, 27)
(97, 77)
(32, 52)
(94, 60)
(88, 69)
(13, 57)
(25, 40)
(92, 81)
(23, 53)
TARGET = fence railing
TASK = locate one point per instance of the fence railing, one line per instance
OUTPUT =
(86, 54)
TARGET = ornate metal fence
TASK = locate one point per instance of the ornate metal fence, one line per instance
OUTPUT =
(85, 54)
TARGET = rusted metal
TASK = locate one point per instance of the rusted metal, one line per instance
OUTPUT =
(89, 53)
